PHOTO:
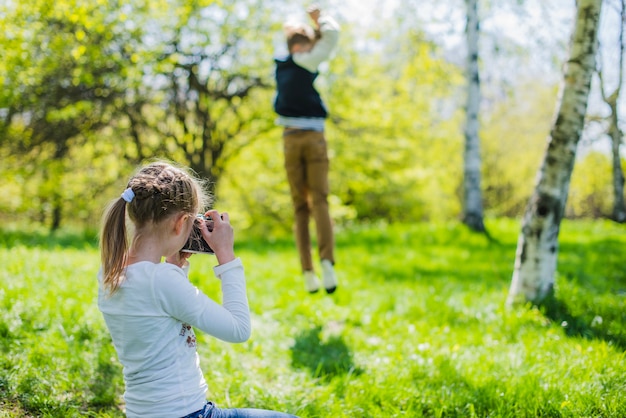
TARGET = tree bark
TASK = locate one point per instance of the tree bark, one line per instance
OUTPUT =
(537, 247)
(616, 134)
(472, 194)
(619, 207)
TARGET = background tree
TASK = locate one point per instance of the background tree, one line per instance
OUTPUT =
(209, 62)
(156, 80)
(512, 138)
(616, 135)
(472, 192)
(395, 89)
(63, 68)
(537, 249)
(394, 145)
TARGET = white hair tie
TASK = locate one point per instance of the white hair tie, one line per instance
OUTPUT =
(128, 195)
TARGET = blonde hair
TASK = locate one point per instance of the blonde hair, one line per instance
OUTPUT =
(160, 190)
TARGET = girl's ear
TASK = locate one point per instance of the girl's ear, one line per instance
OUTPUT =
(179, 222)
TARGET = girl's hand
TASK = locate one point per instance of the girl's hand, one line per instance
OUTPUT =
(179, 259)
(220, 237)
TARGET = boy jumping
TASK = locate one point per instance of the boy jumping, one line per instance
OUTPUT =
(302, 113)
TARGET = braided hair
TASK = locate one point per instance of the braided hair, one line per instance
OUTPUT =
(156, 192)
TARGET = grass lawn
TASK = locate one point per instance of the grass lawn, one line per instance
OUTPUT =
(417, 328)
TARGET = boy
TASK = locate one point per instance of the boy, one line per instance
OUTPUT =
(302, 113)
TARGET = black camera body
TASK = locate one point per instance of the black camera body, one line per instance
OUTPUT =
(196, 243)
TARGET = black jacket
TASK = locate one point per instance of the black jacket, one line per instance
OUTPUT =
(296, 96)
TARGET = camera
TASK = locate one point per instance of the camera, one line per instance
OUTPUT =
(196, 243)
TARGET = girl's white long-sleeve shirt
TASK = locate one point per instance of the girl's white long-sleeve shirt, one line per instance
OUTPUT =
(150, 319)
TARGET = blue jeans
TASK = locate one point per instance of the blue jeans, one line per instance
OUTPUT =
(211, 410)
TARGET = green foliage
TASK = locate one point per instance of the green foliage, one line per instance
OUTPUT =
(91, 89)
(592, 187)
(64, 68)
(513, 147)
(202, 103)
(385, 162)
(418, 327)
(105, 85)
(396, 147)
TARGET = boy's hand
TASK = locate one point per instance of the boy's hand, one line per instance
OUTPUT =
(314, 13)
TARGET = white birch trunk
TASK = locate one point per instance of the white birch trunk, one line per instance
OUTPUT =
(619, 207)
(472, 194)
(614, 131)
(537, 247)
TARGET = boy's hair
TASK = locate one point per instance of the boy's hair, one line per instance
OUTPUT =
(160, 190)
(299, 33)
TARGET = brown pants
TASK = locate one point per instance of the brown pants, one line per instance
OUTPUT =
(306, 163)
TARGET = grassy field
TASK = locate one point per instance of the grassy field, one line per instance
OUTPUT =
(418, 328)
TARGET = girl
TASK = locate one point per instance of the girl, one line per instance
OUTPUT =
(150, 307)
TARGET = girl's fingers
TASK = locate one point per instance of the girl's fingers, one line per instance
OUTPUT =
(215, 216)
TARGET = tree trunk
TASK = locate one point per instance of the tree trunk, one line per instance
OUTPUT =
(619, 208)
(472, 195)
(537, 247)
(614, 131)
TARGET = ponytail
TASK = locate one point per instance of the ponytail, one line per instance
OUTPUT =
(114, 244)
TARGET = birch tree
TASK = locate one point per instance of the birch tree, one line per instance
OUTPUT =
(537, 247)
(472, 194)
(614, 131)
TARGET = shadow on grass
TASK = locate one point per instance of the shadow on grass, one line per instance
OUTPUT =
(600, 263)
(324, 359)
(580, 325)
(590, 302)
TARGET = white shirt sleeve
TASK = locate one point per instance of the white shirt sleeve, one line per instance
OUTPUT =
(182, 300)
(322, 49)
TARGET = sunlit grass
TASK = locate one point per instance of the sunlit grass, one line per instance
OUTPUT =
(418, 327)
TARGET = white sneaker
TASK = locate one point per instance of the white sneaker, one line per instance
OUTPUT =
(311, 281)
(328, 274)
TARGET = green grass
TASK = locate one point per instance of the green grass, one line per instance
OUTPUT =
(417, 328)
